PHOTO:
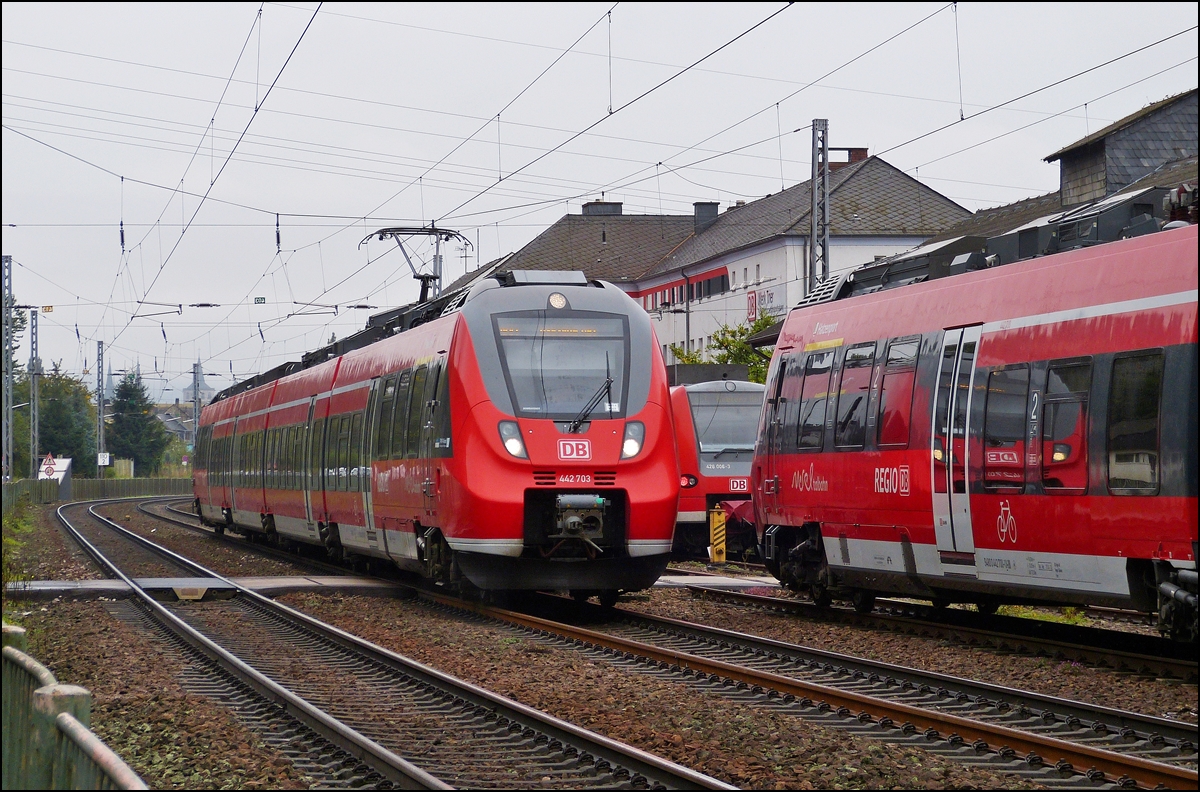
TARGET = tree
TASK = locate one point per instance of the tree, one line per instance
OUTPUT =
(729, 346)
(67, 421)
(135, 432)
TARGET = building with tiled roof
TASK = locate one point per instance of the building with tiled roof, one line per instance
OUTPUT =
(604, 243)
(1111, 159)
(752, 259)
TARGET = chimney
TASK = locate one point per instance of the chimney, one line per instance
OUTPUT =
(592, 208)
(706, 215)
(854, 155)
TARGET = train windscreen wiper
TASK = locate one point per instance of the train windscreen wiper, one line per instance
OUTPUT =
(605, 388)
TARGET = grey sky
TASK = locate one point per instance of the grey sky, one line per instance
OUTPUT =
(376, 94)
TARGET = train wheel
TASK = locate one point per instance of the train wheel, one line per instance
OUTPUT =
(580, 596)
(219, 529)
(609, 597)
(988, 608)
(940, 603)
(864, 601)
(820, 595)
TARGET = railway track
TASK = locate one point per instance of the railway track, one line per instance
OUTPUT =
(372, 715)
(1131, 652)
(163, 509)
(1054, 741)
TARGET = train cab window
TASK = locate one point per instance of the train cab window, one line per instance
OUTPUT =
(787, 409)
(1133, 424)
(441, 415)
(817, 368)
(383, 418)
(416, 412)
(1004, 428)
(1064, 428)
(850, 431)
(896, 392)
(554, 363)
(400, 413)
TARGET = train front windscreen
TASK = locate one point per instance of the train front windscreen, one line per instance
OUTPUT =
(726, 425)
(556, 366)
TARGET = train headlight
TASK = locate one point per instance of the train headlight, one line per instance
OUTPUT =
(635, 435)
(1061, 452)
(510, 435)
(687, 481)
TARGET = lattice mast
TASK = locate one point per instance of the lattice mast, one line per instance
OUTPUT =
(818, 238)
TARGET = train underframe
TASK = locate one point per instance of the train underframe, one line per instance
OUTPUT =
(796, 556)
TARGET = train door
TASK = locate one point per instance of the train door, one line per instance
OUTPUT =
(318, 510)
(235, 465)
(949, 449)
(429, 473)
(308, 465)
(773, 411)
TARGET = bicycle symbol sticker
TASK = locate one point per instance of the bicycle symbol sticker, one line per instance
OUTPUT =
(1006, 524)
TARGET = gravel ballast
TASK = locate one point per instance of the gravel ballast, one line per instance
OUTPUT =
(171, 736)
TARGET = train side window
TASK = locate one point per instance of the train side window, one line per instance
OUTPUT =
(850, 431)
(301, 432)
(315, 451)
(814, 397)
(1133, 424)
(400, 410)
(896, 392)
(416, 412)
(383, 418)
(1004, 428)
(1064, 428)
(343, 453)
(354, 464)
(282, 446)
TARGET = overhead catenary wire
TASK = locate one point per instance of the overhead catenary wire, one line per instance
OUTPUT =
(199, 206)
(1046, 87)
(631, 102)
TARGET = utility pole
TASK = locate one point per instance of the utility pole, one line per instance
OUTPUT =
(100, 400)
(195, 404)
(8, 369)
(35, 371)
(818, 238)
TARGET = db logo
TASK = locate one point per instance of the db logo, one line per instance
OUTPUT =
(739, 485)
(575, 450)
(1006, 524)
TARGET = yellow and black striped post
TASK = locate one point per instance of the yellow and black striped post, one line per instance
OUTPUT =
(716, 536)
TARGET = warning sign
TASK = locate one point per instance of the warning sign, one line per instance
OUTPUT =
(48, 465)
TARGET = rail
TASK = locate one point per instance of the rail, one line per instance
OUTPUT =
(47, 742)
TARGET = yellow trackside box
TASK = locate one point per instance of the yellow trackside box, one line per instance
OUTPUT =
(716, 536)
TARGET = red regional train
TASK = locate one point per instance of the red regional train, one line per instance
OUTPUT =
(1016, 433)
(518, 438)
(715, 424)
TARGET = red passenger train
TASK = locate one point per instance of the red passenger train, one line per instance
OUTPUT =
(1017, 433)
(715, 428)
(520, 439)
